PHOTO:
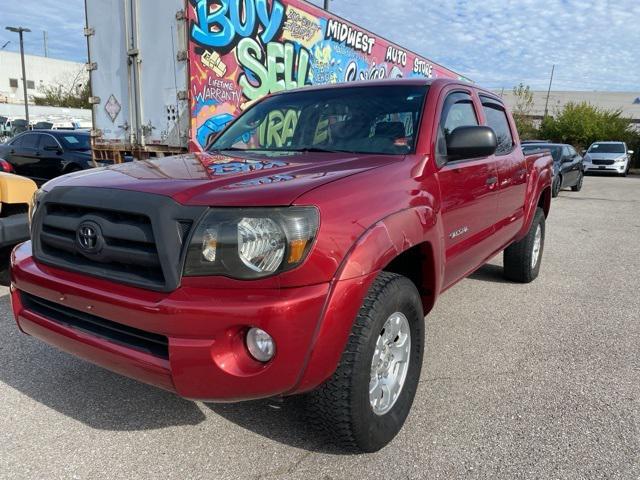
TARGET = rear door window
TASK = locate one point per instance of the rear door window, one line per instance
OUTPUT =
(497, 119)
(17, 142)
(31, 141)
(48, 141)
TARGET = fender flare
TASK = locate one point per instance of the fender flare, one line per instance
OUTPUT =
(538, 190)
(371, 253)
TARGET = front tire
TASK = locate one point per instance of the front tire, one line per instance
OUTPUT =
(626, 171)
(522, 259)
(578, 186)
(364, 405)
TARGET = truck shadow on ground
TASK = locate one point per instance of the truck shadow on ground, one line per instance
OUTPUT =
(106, 401)
(489, 273)
(98, 398)
(281, 421)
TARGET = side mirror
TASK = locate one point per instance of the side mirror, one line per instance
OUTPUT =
(631, 152)
(566, 160)
(471, 142)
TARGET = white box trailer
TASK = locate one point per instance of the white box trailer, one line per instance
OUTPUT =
(139, 85)
(166, 75)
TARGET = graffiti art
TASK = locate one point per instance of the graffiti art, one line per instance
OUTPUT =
(242, 50)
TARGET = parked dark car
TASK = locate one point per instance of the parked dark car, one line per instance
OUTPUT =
(45, 154)
(568, 165)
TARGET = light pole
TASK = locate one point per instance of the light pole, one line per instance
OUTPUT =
(20, 31)
(546, 105)
(326, 5)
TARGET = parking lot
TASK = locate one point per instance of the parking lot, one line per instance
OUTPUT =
(519, 381)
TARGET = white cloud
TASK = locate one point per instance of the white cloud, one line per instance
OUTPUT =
(595, 44)
(63, 20)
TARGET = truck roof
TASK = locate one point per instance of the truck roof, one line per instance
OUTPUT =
(389, 82)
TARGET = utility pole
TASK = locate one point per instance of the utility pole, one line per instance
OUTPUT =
(326, 5)
(20, 31)
(546, 106)
(45, 40)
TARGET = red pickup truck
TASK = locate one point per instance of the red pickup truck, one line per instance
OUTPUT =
(254, 271)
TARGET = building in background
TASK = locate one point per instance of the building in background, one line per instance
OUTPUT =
(41, 72)
(628, 102)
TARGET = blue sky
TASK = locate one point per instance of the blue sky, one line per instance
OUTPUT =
(498, 43)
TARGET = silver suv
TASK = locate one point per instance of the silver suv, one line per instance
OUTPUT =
(612, 157)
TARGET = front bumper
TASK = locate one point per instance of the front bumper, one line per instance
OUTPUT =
(207, 358)
(14, 229)
(615, 168)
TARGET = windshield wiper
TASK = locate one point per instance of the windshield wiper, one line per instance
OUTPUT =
(229, 149)
(317, 150)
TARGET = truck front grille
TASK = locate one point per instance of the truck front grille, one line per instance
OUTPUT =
(127, 237)
(129, 246)
(147, 342)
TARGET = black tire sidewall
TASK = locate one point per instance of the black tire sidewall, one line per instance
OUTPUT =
(373, 431)
(578, 185)
(538, 220)
(557, 186)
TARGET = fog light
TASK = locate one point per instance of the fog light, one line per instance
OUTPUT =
(260, 345)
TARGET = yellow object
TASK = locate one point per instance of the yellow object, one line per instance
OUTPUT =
(296, 249)
(15, 189)
(214, 61)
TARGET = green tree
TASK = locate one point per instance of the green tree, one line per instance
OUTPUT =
(522, 110)
(63, 96)
(581, 124)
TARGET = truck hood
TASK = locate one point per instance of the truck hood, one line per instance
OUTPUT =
(241, 179)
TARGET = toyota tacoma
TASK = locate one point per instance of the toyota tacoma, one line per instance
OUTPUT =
(297, 262)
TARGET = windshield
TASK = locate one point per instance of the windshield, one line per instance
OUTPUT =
(556, 151)
(74, 141)
(358, 120)
(607, 148)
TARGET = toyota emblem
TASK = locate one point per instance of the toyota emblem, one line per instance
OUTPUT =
(89, 237)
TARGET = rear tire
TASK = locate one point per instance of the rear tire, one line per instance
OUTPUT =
(522, 260)
(555, 189)
(350, 407)
(578, 186)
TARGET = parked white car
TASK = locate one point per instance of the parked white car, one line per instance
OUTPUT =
(612, 157)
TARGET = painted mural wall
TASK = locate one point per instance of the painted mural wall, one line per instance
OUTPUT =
(242, 50)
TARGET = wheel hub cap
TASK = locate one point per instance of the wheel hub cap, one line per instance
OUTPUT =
(390, 363)
(537, 246)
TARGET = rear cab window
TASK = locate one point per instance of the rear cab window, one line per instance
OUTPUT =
(496, 117)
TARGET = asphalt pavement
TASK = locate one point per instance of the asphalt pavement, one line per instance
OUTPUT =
(519, 381)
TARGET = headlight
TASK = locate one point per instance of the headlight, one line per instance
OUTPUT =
(621, 160)
(251, 243)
